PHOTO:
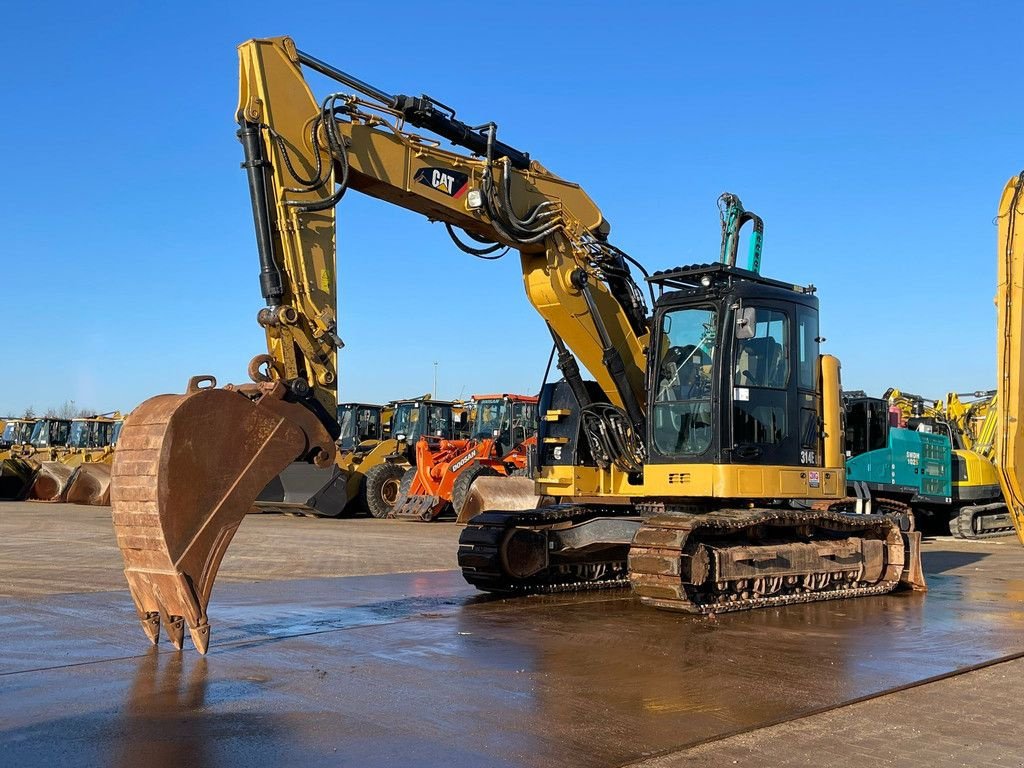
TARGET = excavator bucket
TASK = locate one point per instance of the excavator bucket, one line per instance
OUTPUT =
(504, 493)
(51, 481)
(186, 472)
(90, 484)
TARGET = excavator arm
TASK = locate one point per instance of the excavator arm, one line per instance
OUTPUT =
(1009, 442)
(188, 467)
(577, 281)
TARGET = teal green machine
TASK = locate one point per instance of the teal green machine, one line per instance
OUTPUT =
(888, 460)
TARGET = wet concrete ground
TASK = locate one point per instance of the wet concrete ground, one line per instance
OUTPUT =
(417, 669)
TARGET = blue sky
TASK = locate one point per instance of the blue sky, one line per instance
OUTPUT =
(873, 138)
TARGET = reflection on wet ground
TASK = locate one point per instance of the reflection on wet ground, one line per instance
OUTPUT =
(417, 669)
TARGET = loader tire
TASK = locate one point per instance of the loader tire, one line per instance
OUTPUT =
(406, 484)
(462, 484)
(380, 488)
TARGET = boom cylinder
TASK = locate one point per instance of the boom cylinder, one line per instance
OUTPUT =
(256, 166)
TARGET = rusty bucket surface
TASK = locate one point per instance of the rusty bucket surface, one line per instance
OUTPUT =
(51, 481)
(90, 484)
(185, 473)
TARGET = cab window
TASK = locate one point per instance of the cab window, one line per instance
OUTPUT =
(681, 416)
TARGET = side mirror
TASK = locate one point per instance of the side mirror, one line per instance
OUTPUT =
(745, 323)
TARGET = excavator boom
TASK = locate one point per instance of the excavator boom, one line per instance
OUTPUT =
(1009, 442)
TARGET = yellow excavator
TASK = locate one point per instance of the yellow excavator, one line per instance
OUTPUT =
(687, 468)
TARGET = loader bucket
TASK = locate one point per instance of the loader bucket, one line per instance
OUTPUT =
(306, 489)
(51, 481)
(90, 484)
(15, 478)
(504, 493)
(186, 471)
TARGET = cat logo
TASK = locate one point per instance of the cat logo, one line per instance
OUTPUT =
(451, 183)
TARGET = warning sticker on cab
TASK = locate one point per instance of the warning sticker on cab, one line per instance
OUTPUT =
(814, 479)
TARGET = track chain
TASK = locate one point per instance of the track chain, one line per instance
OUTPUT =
(962, 526)
(480, 556)
(659, 547)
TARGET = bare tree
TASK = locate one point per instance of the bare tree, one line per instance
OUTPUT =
(30, 413)
(66, 410)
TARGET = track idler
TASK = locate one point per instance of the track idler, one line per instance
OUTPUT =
(186, 471)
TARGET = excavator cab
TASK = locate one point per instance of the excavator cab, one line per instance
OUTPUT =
(735, 379)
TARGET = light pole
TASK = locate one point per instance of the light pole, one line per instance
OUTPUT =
(434, 396)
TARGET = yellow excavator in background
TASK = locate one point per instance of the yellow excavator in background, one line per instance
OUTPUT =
(1009, 441)
(710, 409)
(932, 457)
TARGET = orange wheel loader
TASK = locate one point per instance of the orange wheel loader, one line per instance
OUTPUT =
(445, 469)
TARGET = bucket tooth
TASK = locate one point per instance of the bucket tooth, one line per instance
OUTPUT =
(175, 626)
(200, 637)
(185, 474)
(151, 626)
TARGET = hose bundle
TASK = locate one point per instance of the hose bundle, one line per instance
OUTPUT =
(612, 439)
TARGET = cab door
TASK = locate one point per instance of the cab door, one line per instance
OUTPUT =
(773, 385)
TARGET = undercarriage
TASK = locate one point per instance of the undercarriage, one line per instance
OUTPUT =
(703, 562)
